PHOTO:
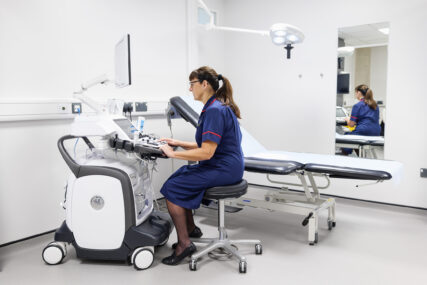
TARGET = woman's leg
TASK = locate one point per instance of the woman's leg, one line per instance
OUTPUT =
(179, 218)
(190, 220)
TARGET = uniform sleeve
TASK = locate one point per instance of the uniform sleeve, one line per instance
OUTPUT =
(213, 125)
(355, 113)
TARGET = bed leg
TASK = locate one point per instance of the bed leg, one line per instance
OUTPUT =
(312, 229)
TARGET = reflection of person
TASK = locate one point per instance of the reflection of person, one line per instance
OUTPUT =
(365, 115)
(218, 150)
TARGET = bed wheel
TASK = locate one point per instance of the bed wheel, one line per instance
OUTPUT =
(258, 249)
(334, 224)
(316, 237)
(330, 225)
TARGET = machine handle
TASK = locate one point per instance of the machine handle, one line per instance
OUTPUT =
(74, 166)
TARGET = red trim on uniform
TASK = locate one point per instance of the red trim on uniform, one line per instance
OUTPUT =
(354, 117)
(211, 133)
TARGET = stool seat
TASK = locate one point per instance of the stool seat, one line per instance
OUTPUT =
(228, 191)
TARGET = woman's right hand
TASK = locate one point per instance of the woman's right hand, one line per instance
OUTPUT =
(171, 142)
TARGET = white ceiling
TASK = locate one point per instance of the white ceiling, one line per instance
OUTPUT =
(364, 35)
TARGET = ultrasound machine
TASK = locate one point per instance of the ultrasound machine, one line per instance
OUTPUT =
(109, 195)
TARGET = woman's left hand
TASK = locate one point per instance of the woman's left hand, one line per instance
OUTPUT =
(167, 150)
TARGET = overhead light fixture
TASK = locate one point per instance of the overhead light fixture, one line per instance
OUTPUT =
(385, 31)
(281, 34)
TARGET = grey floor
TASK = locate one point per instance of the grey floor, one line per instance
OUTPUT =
(372, 244)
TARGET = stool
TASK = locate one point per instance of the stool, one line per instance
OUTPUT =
(221, 193)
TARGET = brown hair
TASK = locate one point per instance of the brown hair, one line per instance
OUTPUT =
(368, 95)
(224, 94)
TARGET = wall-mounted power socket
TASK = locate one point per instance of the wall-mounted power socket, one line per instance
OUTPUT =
(76, 108)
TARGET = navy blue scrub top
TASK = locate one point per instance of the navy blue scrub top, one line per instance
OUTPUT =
(366, 119)
(217, 123)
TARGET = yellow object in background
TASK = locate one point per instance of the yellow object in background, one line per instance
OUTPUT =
(350, 128)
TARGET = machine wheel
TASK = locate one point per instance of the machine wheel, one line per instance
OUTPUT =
(258, 249)
(330, 225)
(54, 253)
(193, 265)
(242, 266)
(142, 258)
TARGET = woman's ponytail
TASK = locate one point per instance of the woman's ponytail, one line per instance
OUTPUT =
(225, 95)
(368, 95)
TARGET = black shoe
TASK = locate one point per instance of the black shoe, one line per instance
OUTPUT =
(176, 259)
(196, 233)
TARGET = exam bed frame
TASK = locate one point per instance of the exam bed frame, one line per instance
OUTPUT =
(308, 202)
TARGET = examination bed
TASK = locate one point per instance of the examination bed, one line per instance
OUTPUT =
(365, 144)
(305, 166)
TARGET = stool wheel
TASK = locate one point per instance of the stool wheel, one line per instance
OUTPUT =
(193, 265)
(242, 266)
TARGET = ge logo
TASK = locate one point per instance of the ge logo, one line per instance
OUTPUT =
(97, 202)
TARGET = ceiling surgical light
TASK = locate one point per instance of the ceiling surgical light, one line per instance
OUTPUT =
(281, 34)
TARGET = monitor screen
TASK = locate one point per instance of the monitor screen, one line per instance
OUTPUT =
(122, 62)
(343, 83)
(126, 126)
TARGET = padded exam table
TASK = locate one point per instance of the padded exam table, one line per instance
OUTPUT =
(365, 144)
(305, 166)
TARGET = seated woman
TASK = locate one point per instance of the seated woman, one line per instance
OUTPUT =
(365, 115)
(218, 150)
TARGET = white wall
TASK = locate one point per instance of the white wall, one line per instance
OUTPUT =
(288, 105)
(379, 73)
(49, 47)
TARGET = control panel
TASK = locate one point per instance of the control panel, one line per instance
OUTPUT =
(147, 146)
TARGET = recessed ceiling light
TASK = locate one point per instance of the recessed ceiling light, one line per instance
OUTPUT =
(385, 31)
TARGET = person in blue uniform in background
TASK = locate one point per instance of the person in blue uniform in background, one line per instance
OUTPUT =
(365, 115)
(217, 149)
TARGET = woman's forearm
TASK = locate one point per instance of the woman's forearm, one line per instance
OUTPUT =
(188, 145)
(195, 154)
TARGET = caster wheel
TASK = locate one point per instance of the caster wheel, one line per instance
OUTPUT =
(258, 249)
(316, 238)
(330, 225)
(311, 243)
(54, 253)
(242, 267)
(142, 258)
(334, 224)
(193, 265)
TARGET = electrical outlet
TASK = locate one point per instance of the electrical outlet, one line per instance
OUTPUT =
(76, 108)
(128, 107)
(140, 106)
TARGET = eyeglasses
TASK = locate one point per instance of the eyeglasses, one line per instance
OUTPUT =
(193, 82)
